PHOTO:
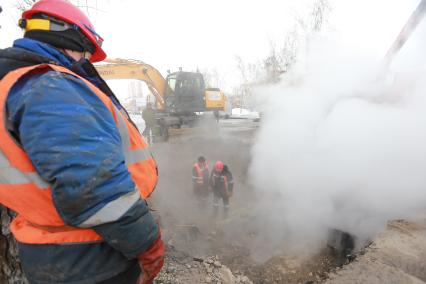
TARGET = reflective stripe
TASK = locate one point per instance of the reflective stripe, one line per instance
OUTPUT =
(124, 131)
(200, 178)
(4, 162)
(38, 180)
(130, 156)
(11, 175)
(112, 211)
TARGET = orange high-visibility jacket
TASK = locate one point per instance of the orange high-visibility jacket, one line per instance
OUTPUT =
(25, 192)
(199, 178)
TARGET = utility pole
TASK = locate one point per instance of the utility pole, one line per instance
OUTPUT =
(415, 18)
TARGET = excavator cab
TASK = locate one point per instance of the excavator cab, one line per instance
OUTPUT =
(186, 92)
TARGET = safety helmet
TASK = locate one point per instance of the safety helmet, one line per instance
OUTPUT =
(218, 166)
(67, 12)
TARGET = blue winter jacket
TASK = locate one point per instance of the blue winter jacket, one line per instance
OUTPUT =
(72, 140)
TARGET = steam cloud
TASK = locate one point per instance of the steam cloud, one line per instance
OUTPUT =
(341, 146)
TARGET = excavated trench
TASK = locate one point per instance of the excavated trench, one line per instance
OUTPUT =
(397, 255)
(192, 230)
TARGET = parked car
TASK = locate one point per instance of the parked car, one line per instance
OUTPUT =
(242, 113)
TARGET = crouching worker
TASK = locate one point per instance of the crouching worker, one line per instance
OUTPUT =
(222, 184)
(200, 181)
(73, 166)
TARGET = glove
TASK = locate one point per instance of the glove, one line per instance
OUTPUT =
(151, 261)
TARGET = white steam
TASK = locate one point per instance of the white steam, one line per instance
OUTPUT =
(341, 146)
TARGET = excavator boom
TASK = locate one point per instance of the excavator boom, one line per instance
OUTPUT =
(181, 92)
(134, 69)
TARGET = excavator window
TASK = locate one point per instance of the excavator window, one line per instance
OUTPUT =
(171, 81)
(189, 85)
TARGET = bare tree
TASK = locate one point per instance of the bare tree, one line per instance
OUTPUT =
(319, 14)
(282, 56)
(272, 65)
(212, 78)
(241, 91)
(23, 5)
(289, 50)
(250, 75)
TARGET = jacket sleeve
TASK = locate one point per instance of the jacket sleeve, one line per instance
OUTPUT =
(230, 182)
(72, 140)
(211, 180)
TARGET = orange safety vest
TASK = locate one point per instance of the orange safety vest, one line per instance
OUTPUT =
(200, 176)
(24, 191)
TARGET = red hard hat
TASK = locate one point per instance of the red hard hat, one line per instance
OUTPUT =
(67, 12)
(218, 166)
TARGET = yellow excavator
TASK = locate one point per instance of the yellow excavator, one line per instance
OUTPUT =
(179, 96)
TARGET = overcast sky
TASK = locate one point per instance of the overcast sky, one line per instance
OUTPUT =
(208, 34)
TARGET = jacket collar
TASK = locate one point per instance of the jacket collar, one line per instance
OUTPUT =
(44, 50)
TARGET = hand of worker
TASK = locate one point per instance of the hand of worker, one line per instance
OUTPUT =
(151, 261)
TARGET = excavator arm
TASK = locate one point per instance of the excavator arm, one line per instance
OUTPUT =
(135, 69)
(189, 99)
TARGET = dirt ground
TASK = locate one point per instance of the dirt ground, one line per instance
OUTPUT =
(207, 249)
(397, 255)
(190, 229)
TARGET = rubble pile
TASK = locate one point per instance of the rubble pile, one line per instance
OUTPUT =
(184, 269)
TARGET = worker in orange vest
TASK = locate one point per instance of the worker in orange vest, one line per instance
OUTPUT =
(200, 180)
(222, 184)
(74, 167)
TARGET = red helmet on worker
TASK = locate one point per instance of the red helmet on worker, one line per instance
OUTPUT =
(218, 166)
(65, 11)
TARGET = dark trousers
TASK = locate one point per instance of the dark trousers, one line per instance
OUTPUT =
(130, 276)
(217, 196)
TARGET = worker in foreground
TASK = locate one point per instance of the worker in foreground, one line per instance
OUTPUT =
(222, 185)
(148, 116)
(73, 166)
(200, 181)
